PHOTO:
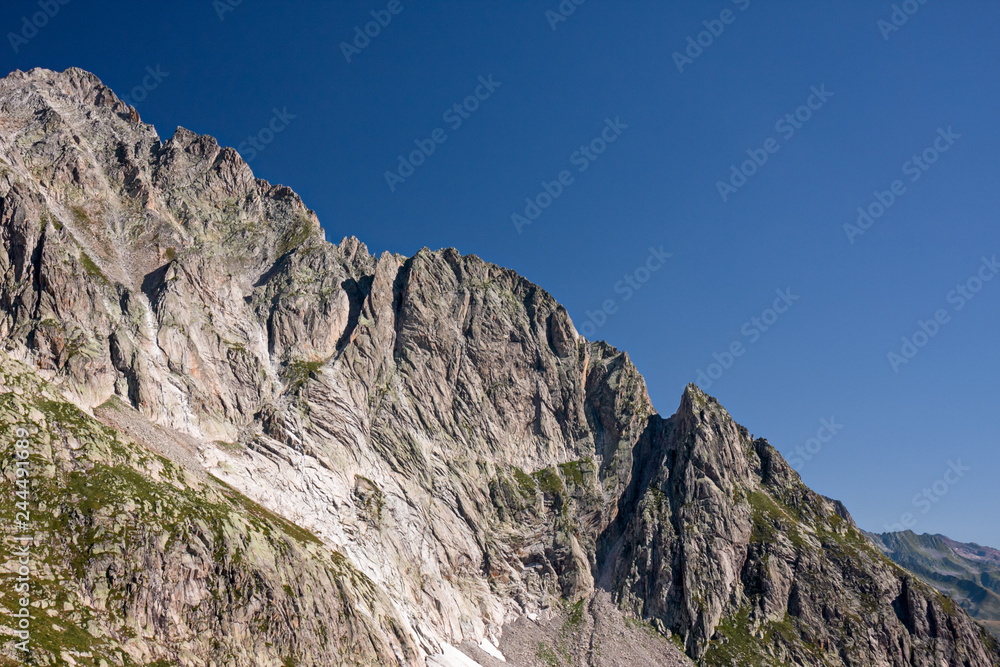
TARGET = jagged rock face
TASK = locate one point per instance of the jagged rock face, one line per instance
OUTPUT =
(968, 573)
(436, 419)
(137, 560)
(105, 227)
(722, 543)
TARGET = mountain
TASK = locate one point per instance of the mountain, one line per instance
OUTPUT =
(968, 573)
(249, 446)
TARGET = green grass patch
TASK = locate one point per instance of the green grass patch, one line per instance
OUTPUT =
(574, 616)
(573, 471)
(80, 215)
(296, 237)
(549, 481)
(299, 372)
(548, 656)
(114, 403)
(525, 481)
(91, 269)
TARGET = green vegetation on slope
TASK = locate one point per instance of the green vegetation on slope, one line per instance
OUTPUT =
(115, 525)
(968, 573)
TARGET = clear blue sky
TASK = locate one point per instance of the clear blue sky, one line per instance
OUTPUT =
(655, 184)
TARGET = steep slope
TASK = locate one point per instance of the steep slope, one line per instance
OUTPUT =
(722, 543)
(968, 573)
(136, 560)
(436, 420)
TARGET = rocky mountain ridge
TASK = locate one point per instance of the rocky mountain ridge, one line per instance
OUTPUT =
(471, 476)
(968, 573)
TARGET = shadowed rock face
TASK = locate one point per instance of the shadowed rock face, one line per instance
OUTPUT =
(969, 573)
(435, 421)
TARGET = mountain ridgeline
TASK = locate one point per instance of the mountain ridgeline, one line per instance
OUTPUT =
(254, 447)
(968, 573)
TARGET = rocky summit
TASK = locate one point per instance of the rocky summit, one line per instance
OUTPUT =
(249, 446)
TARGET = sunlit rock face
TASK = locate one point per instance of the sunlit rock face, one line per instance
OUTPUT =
(380, 460)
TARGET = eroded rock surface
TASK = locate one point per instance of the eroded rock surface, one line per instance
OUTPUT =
(463, 456)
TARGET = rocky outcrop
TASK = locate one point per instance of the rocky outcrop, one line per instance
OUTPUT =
(466, 460)
(968, 573)
(137, 560)
(722, 544)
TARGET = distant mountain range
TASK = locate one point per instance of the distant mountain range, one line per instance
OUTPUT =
(969, 573)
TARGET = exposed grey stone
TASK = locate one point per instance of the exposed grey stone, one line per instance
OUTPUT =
(435, 420)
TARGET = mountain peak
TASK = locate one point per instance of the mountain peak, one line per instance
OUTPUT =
(72, 85)
(422, 450)
(694, 399)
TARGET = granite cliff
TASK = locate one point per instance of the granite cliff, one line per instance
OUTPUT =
(968, 573)
(255, 447)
